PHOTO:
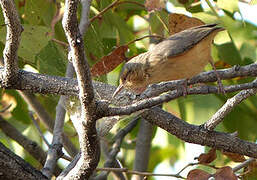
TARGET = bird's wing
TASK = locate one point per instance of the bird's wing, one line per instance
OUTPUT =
(183, 41)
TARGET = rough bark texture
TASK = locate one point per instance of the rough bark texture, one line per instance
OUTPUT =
(13, 167)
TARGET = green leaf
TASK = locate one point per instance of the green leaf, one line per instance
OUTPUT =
(49, 102)
(52, 60)
(206, 17)
(227, 52)
(36, 11)
(33, 39)
(248, 51)
(231, 6)
(124, 31)
(246, 126)
(195, 8)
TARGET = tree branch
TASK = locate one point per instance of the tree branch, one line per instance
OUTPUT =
(219, 116)
(47, 120)
(14, 30)
(14, 167)
(150, 102)
(86, 126)
(198, 135)
(60, 111)
(30, 146)
(45, 84)
(143, 147)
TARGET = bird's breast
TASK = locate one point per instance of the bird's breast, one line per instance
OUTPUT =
(182, 66)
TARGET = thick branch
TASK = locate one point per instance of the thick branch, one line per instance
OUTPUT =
(32, 147)
(60, 111)
(198, 135)
(86, 126)
(14, 167)
(41, 83)
(143, 147)
(14, 30)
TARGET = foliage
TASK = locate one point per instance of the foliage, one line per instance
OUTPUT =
(116, 29)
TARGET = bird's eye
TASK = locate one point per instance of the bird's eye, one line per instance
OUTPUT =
(125, 77)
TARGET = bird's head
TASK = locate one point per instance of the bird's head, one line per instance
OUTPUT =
(132, 77)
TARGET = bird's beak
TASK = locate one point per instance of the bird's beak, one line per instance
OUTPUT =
(119, 88)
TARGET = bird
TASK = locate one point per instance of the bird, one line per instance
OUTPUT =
(180, 56)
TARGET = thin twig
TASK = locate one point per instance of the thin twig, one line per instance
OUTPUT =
(219, 116)
(38, 129)
(188, 165)
(46, 119)
(138, 173)
(114, 3)
(147, 36)
(212, 8)
(111, 156)
(131, 2)
(153, 101)
(244, 164)
(65, 45)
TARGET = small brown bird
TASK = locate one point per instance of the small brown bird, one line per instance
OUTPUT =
(181, 56)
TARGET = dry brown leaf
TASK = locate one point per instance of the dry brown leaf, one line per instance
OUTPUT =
(222, 65)
(154, 5)
(183, 1)
(206, 158)
(180, 22)
(109, 62)
(197, 174)
(22, 3)
(234, 156)
(225, 173)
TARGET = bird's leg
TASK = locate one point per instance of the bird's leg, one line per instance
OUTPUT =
(183, 88)
(220, 85)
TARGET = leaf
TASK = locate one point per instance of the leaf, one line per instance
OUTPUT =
(221, 65)
(37, 11)
(124, 30)
(234, 156)
(109, 62)
(206, 17)
(206, 158)
(225, 173)
(231, 6)
(33, 39)
(248, 51)
(183, 1)
(197, 174)
(228, 53)
(180, 22)
(52, 60)
(154, 5)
